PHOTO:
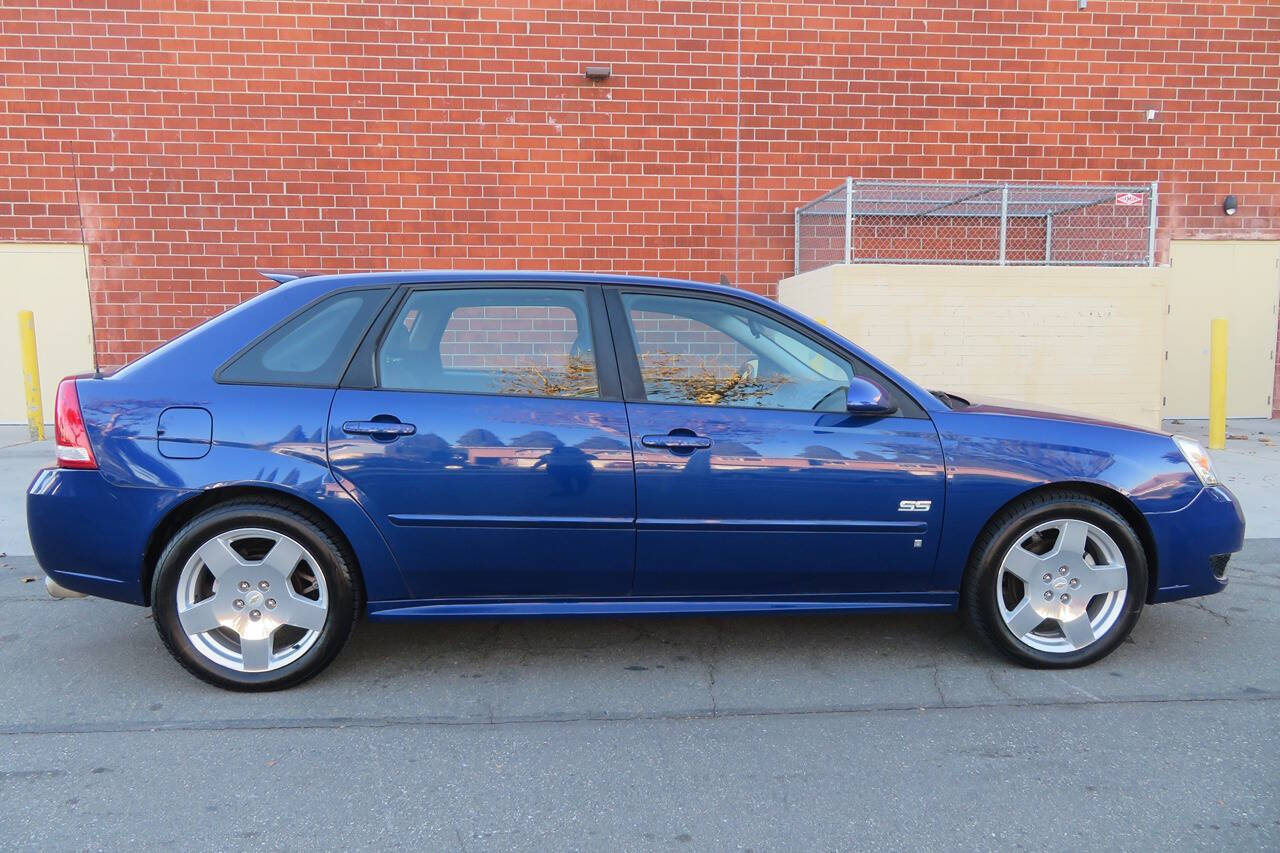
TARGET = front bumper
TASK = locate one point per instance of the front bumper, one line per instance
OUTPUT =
(1191, 544)
(91, 537)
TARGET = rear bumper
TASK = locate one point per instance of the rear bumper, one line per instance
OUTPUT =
(91, 536)
(1187, 541)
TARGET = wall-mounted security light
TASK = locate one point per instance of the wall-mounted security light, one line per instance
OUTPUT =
(1151, 115)
(597, 72)
(1082, 4)
(1230, 205)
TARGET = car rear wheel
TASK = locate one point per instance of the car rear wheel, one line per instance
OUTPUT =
(252, 595)
(1058, 580)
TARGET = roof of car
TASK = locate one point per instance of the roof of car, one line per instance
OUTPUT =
(295, 290)
(514, 276)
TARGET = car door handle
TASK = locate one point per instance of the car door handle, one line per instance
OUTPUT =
(677, 443)
(378, 429)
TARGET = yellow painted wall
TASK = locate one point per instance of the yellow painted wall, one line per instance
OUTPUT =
(1238, 280)
(48, 280)
(1085, 339)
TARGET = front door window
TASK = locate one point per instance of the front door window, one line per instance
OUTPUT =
(711, 353)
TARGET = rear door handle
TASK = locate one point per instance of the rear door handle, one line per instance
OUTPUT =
(379, 429)
(677, 443)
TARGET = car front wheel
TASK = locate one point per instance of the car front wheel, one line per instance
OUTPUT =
(1058, 580)
(251, 595)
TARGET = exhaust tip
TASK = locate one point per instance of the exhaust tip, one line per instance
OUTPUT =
(57, 590)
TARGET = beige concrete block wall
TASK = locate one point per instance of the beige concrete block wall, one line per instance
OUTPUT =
(1085, 339)
(1238, 280)
(48, 280)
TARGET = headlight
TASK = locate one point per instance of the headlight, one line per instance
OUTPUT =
(1198, 458)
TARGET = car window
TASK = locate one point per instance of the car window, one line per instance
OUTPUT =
(716, 353)
(519, 341)
(314, 347)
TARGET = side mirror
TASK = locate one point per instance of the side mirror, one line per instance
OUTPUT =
(868, 398)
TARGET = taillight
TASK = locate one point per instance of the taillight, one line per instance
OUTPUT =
(70, 437)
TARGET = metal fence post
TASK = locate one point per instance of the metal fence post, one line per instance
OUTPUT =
(848, 220)
(1151, 229)
(1004, 221)
(1048, 237)
(797, 241)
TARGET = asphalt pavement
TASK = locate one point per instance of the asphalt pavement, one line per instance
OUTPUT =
(803, 732)
(765, 733)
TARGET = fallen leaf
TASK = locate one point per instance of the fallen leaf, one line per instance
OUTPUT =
(30, 579)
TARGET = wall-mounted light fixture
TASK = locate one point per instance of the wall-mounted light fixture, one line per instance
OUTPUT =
(597, 72)
(1151, 115)
(1230, 205)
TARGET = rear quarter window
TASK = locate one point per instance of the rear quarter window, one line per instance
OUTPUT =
(311, 348)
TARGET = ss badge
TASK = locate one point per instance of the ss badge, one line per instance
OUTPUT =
(914, 506)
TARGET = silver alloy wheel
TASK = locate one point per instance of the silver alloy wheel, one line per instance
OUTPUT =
(252, 600)
(1062, 585)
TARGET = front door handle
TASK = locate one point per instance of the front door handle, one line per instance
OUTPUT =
(677, 443)
(379, 429)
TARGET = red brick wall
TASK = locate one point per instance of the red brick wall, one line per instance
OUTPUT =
(228, 136)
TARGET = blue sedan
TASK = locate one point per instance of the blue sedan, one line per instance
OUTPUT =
(448, 445)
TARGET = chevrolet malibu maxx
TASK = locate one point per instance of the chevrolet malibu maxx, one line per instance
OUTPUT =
(448, 445)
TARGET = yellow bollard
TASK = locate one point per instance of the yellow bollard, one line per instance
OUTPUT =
(31, 374)
(1218, 383)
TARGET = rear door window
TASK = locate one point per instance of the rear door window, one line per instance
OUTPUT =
(505, 341)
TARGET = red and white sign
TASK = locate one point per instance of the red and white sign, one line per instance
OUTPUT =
(1129, 199)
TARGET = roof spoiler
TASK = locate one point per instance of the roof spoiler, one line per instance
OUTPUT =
(282, 276)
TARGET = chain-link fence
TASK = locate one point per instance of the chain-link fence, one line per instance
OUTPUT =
(1028, 224)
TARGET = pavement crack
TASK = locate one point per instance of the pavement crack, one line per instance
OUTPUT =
(711, 687)
(995, 683)
(937, 684)
(1199, 604)
(713, 650)
(1075, 687)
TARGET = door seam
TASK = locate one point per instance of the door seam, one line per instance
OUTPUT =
(631, 446)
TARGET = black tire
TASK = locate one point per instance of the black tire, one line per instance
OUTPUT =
(344, 591)
(978, 595)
